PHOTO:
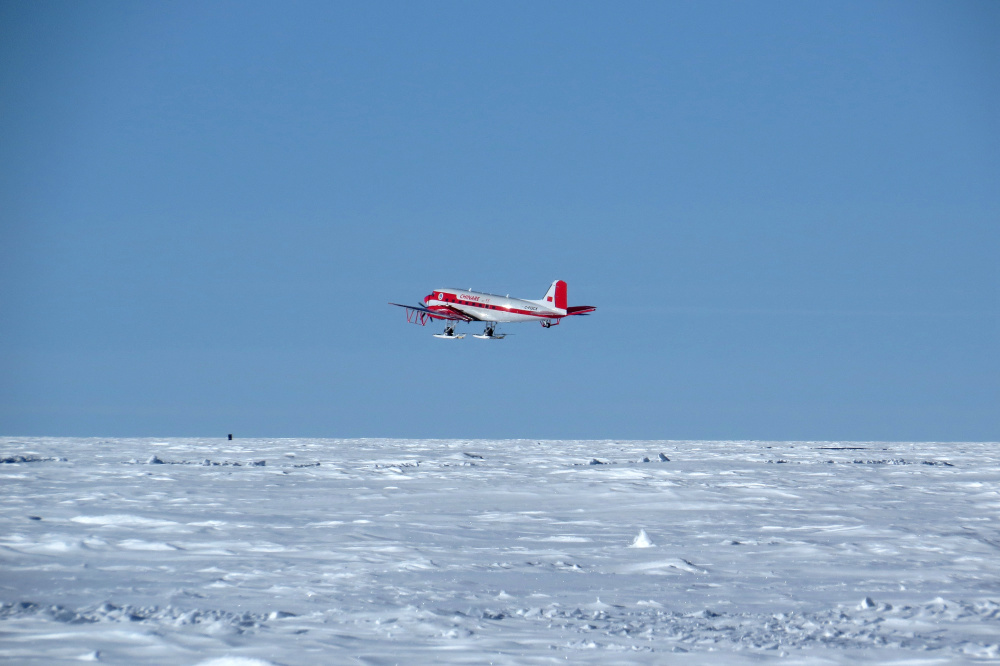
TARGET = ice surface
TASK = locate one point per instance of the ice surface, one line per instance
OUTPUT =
(191, 551)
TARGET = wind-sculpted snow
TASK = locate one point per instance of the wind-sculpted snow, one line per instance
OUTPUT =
(305, 551)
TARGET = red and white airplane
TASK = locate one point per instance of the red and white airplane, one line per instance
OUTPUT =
(455, 305)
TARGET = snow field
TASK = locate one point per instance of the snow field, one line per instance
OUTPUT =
(304, 551)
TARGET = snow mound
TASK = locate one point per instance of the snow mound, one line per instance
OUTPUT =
(599, 606)
(139, 544)
(235, 661)
(642, 541)
(664, 567)
(123, 520)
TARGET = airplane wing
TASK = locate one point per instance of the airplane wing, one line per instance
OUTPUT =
(420, 314)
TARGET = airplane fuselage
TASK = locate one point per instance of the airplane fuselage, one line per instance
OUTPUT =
(491, 307)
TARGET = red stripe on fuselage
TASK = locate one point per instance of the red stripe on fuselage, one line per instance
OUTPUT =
(510, 310)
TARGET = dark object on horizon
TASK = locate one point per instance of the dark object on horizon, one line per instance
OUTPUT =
(21, 459)
(230, 437)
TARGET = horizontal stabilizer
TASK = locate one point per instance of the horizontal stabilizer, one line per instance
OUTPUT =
(419, 314)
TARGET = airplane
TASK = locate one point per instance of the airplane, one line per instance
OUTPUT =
(457, 305)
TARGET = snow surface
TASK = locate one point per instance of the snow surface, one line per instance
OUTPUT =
(306, 551)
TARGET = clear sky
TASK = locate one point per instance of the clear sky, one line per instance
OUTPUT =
(786, 213)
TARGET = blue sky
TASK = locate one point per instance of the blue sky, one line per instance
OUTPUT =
(786, 213)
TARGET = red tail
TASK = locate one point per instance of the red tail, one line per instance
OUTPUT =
(560, 294)
(556, 295)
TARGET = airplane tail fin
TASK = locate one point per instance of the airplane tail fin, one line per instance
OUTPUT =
(555, 297)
